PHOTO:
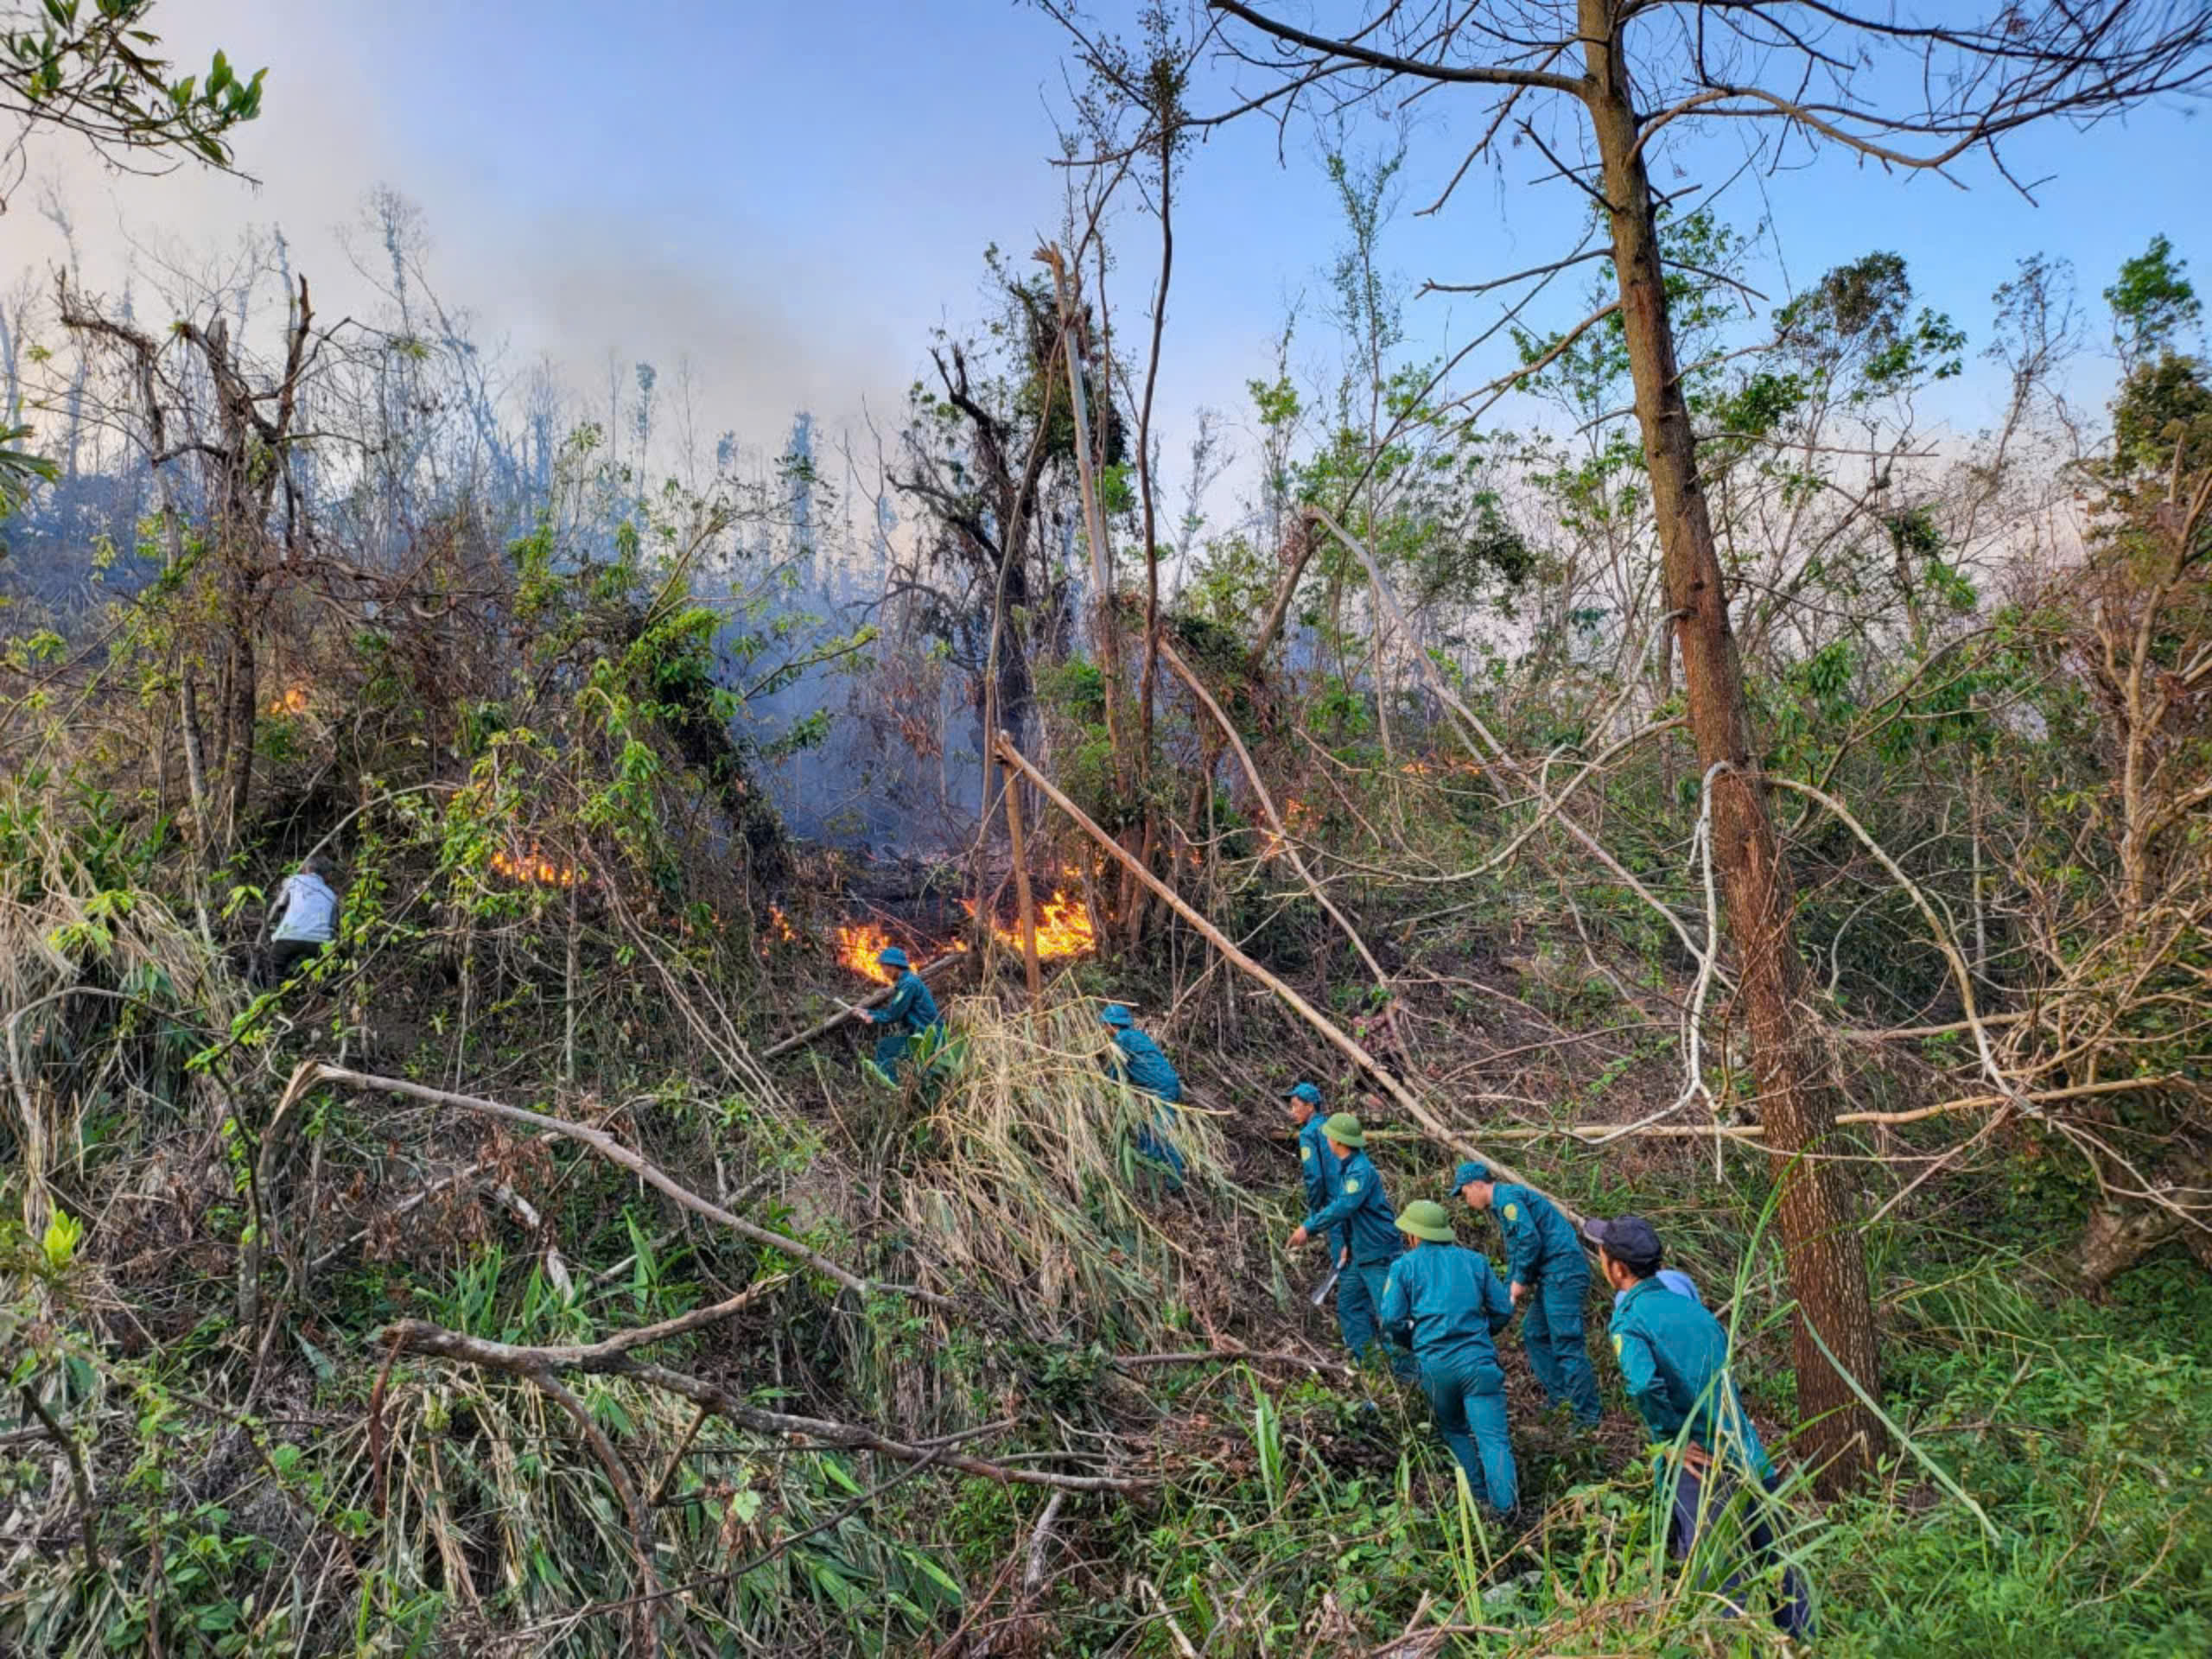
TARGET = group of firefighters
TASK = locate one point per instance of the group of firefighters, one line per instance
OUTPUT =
(1434, 1308)
(1410, 1295)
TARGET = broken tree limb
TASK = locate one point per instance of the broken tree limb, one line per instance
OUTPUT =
(1282, 834)
(823, 1029)
(612, 1359)
(1232, 1355)
(593, 1357)
(1279, 608)
(557, 1265)
(1599, 1133)
(1440, 1132)
(1588, 1133)
(653, 1176)
(87, 1509)
(1040, 1540)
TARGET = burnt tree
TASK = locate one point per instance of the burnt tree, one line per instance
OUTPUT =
(988, 455)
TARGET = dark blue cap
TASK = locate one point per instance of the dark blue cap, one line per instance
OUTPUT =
(1307, 1092)
(1115, 1015)
(1629, 1241)
(892, 956)
(1467, 1172)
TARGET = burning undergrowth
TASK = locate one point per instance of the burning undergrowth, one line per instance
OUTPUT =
(1065, 932)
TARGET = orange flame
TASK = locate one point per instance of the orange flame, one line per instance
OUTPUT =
(1460, 765)
(1063, 928)
(292, 700)
(778, 932)
(1063, 931)
(859, 944)
(1297, 819)
(535, 869)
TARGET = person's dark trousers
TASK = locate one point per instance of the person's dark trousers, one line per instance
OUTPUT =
(1152, 1144)
(1793, 1612)
(284, 955)
(1551, 1331)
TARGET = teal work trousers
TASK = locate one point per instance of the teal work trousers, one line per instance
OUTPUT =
(1359, 1297)
(1468, 1396)
(1551, 1331)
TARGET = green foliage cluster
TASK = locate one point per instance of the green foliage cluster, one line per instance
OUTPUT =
(94, 69)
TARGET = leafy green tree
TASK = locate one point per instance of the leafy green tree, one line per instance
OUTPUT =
(2153, 304)
(2164, 400)
(95, 70)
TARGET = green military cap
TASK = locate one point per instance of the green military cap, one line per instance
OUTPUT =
(1344, 1129)
(1425, 1218)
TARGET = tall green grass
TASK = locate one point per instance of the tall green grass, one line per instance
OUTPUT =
(2082, 1432)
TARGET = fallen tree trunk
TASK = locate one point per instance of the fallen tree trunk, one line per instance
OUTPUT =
(612, 1359)
(609, 1147)
(1233, 1356)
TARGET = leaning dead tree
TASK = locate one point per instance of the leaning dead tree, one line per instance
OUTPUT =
(1598, 89)
(199, 401)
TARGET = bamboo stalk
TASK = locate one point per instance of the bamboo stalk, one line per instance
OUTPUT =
(1023, 899)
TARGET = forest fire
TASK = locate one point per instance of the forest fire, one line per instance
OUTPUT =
(1063, 931)
(859, 944)
(1063, 928)
(292, 700)
(534, 869)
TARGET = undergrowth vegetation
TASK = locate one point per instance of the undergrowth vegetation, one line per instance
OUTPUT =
(532, 1268)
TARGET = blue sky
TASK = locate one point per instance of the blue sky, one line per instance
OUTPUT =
(793, 194)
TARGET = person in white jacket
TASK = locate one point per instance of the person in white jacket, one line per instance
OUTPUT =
(306, 921)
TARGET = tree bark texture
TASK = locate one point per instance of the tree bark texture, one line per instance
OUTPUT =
(1825, 1261)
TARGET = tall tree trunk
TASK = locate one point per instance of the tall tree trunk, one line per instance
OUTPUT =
(1015, 688)
(1094, 516)
(246, 692)
(1826, 1264)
